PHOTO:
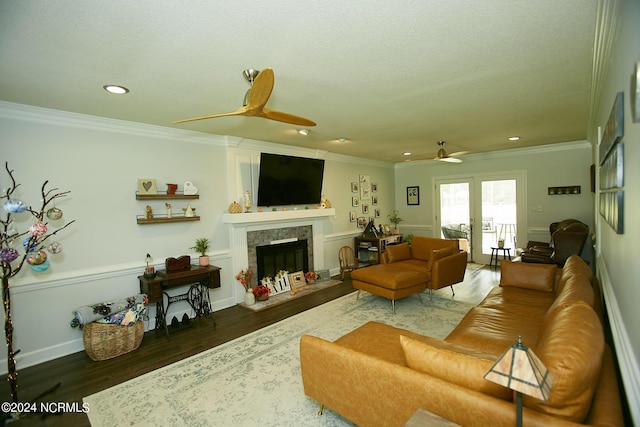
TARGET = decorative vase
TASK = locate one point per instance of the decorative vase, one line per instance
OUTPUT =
(203, 260)
(501, 243)
(172, 188)
(249, 298)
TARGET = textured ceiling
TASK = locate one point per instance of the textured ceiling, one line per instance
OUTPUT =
(388, 76)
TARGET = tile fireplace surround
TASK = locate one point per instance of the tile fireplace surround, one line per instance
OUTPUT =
(242, 224)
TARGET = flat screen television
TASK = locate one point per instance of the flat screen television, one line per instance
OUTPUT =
(289, 180)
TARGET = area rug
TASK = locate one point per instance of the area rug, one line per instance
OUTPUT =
(255, 380)
(287, 296)
(474, 266)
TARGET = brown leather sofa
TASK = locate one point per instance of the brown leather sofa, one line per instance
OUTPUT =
(378, 375)
(567, 238)
(428, 263)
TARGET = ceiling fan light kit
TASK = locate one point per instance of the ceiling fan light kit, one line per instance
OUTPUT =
(255, 99)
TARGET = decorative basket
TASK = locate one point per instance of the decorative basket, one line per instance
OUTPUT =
(106, 341)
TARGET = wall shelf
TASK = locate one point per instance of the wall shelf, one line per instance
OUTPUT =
(165, 196)
(164, 219)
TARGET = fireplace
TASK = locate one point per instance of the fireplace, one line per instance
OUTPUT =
(249, 230)
(290, 256)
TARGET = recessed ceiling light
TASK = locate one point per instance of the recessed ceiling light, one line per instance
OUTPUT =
(514, 138)
(118, 90)
(406, 153)
(342, 140)
(304, 132)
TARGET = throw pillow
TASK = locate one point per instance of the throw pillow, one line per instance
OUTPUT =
(399, 252)
(539, 277)
(437, 254)
(455, 363)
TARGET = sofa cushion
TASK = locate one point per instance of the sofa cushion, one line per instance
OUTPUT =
(437, 254)
(570, 345)
(573, 267)
(422, 246)
(385, 276)
(457, 364)
(539, 277)
(399, 252)
(576, 288)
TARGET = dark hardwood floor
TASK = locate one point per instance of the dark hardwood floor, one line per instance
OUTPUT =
(79, 376)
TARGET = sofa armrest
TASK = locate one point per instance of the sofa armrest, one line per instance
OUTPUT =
(370, 391)
(448, 271)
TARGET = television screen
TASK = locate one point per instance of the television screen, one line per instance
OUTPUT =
(289, 180)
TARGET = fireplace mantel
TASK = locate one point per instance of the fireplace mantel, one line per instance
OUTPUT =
(276, 216)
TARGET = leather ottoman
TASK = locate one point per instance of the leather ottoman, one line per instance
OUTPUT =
(388, 282)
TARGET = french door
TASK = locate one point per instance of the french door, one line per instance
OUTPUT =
(482, 211)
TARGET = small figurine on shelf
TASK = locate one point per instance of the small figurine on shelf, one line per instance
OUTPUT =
(188, 211)
(172, 188)
(148, 212)
(168, 205)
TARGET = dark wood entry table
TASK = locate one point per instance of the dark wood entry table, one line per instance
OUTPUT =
(201, 280)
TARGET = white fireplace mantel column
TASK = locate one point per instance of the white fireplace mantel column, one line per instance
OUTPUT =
(240, 224)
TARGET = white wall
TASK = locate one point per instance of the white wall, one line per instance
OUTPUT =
(100, 161)
(618, 265)
(546, 166)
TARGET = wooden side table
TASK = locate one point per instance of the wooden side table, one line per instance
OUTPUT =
(495, 254)
(201, 280)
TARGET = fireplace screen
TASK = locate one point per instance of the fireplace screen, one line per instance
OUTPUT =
(289, 256)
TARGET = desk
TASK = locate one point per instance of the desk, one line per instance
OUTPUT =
(495, 254)
(200, 279)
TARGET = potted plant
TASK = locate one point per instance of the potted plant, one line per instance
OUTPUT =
(261, 292)
(395, 220)
(202, 246)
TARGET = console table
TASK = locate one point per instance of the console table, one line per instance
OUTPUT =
(200, 279)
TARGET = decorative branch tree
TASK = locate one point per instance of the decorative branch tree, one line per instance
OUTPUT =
(32, 252)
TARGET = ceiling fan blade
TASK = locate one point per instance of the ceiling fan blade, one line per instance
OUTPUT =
(286, 118)
(448, 159)
(239, 112)
(261, 89)
(458, 153)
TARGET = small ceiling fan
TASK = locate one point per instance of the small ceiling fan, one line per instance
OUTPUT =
(442, 155)
(255, 99)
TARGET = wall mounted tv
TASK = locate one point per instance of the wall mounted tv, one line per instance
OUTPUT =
(288, 180)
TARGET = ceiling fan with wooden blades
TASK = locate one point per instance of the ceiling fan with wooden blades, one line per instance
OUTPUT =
(255, 99)
(442, 155)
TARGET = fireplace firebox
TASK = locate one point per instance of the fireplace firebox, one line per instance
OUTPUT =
(290, 256)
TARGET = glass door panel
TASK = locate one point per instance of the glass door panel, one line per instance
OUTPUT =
(455, 214)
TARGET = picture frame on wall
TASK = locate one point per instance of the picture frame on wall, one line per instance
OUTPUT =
(413, 195)
(354, 187)
(352, 216)
(614, 129)
(354, 201)
(635, 94)
(365, 187)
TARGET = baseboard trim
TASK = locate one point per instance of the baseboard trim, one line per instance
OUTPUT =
(629, 370)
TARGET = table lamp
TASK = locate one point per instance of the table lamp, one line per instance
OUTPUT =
(520, 370)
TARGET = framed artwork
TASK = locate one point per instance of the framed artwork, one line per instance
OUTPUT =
(147, 186)
(612, 209)
(365, 187)
(354, 187)
(352, 216)
(635, 94)
(296, 280)
(374, 187)
(361, 222)
(612, 170)
(354, 201)
(374, 200)
(614, 129)
(377, 212)
(365, 208)
(413, 195)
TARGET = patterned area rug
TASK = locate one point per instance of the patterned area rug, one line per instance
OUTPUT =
(473, 266)
(255, 380)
